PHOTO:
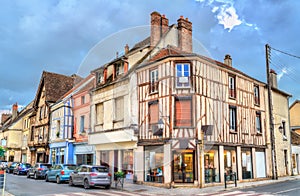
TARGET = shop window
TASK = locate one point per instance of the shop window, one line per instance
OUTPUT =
(84, 159)
(230, 165)
(211, 165)
(246, 164)
(127, 165)
(154, 168)
(183, 166)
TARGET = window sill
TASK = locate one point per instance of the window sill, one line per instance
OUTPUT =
(233, 98)
(153, 93)
(233, 132)
(183, 87)
(258, 134)
(257, 104)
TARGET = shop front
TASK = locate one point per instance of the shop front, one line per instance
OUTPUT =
(183, 167)
(84, 154)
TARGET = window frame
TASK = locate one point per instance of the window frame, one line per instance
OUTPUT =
(190, 100)
(232, 87)
(232, 121)
(256, 95)
(258, 122)
(153, 80)
(182, 76)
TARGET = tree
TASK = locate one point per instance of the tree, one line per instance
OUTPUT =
(2, 150)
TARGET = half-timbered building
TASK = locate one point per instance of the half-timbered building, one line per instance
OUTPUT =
(198, 118)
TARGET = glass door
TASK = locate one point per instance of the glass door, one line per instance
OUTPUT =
(183, 168)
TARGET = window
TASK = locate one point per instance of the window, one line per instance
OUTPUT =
(183, 111)
(183, 75)
(32, 134)
(119, 69)
(258, 122)
(232, 91)
(153, 81)
(84, 159)
(81, 124)
(232, 118)
(284, 130)
(256, 95)
(119, 109)
(99, 113)
(57, 128)
(82, 100)
(153, 116)
(41, 112)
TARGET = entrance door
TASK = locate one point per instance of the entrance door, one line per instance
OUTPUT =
(183, 167)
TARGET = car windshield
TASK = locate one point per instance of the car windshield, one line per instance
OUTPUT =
(99, 169)
(70, 167)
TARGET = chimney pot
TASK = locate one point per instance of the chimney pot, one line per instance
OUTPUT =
(228, 60)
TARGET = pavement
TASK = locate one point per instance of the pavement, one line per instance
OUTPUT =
(190, 190)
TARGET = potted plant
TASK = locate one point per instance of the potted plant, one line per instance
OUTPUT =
(119, 174)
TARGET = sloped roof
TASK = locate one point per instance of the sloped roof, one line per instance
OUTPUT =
(141, 44)
(295, 138)
(55, 84)
(168, 51)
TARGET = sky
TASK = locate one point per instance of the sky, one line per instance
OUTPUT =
(69, 36)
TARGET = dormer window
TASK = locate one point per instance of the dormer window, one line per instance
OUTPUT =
(183, 75)
(119, 69)
(100, 78)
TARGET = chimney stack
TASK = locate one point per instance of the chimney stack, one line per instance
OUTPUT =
(185, 34)
(155, 28)
(228, 60)
(164, 25)
(126, 49)
(4, 117)
(14, 111)
(273, 78)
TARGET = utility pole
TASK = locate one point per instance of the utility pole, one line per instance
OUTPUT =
(271, 118)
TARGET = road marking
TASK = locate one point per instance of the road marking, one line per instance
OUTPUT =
(236, 193)
(287, 190)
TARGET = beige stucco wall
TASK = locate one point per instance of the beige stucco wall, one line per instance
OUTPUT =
(295, 114)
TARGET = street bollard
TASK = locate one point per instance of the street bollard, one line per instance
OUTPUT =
(233, 174)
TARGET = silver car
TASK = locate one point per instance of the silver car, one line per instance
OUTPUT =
(90, 175)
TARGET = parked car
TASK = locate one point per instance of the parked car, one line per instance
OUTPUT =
(38, 170)
(90, 175)
(10, 167)
(60, 172)
(21, 168)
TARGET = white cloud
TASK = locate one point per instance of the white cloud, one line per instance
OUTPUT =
(226, 13)
(283, 71)
(228, 18)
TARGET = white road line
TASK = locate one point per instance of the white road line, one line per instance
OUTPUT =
(83, 194)
(286, 190)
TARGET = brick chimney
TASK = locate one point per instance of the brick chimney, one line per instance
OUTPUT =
(164, 25)
(155, 28)
(126, 49)
(273, 78)
(14, 111)
(185, 34)
(228, 60)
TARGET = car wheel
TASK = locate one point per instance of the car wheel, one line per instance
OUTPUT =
(57, 180)
(107, 186)
(35, 176)
(71, 182)
(28, 175)
(86, 184)
(46, 178)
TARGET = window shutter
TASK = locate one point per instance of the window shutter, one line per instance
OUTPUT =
(183, 112)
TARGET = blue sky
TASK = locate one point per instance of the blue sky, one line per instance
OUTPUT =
(68, 36)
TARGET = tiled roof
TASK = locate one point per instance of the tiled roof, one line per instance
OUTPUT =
(141, 44)
(56, 85)
(168, 51)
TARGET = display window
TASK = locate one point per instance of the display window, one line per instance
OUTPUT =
(246, 163)
(211, 166)
(154, 165)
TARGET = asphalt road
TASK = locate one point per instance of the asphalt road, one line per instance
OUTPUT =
(290, 188)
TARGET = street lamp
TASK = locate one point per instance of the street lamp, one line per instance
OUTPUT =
(160, 124)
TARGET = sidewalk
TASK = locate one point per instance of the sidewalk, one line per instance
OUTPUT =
(136, 188)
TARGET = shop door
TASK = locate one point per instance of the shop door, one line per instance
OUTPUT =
(183, 169)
